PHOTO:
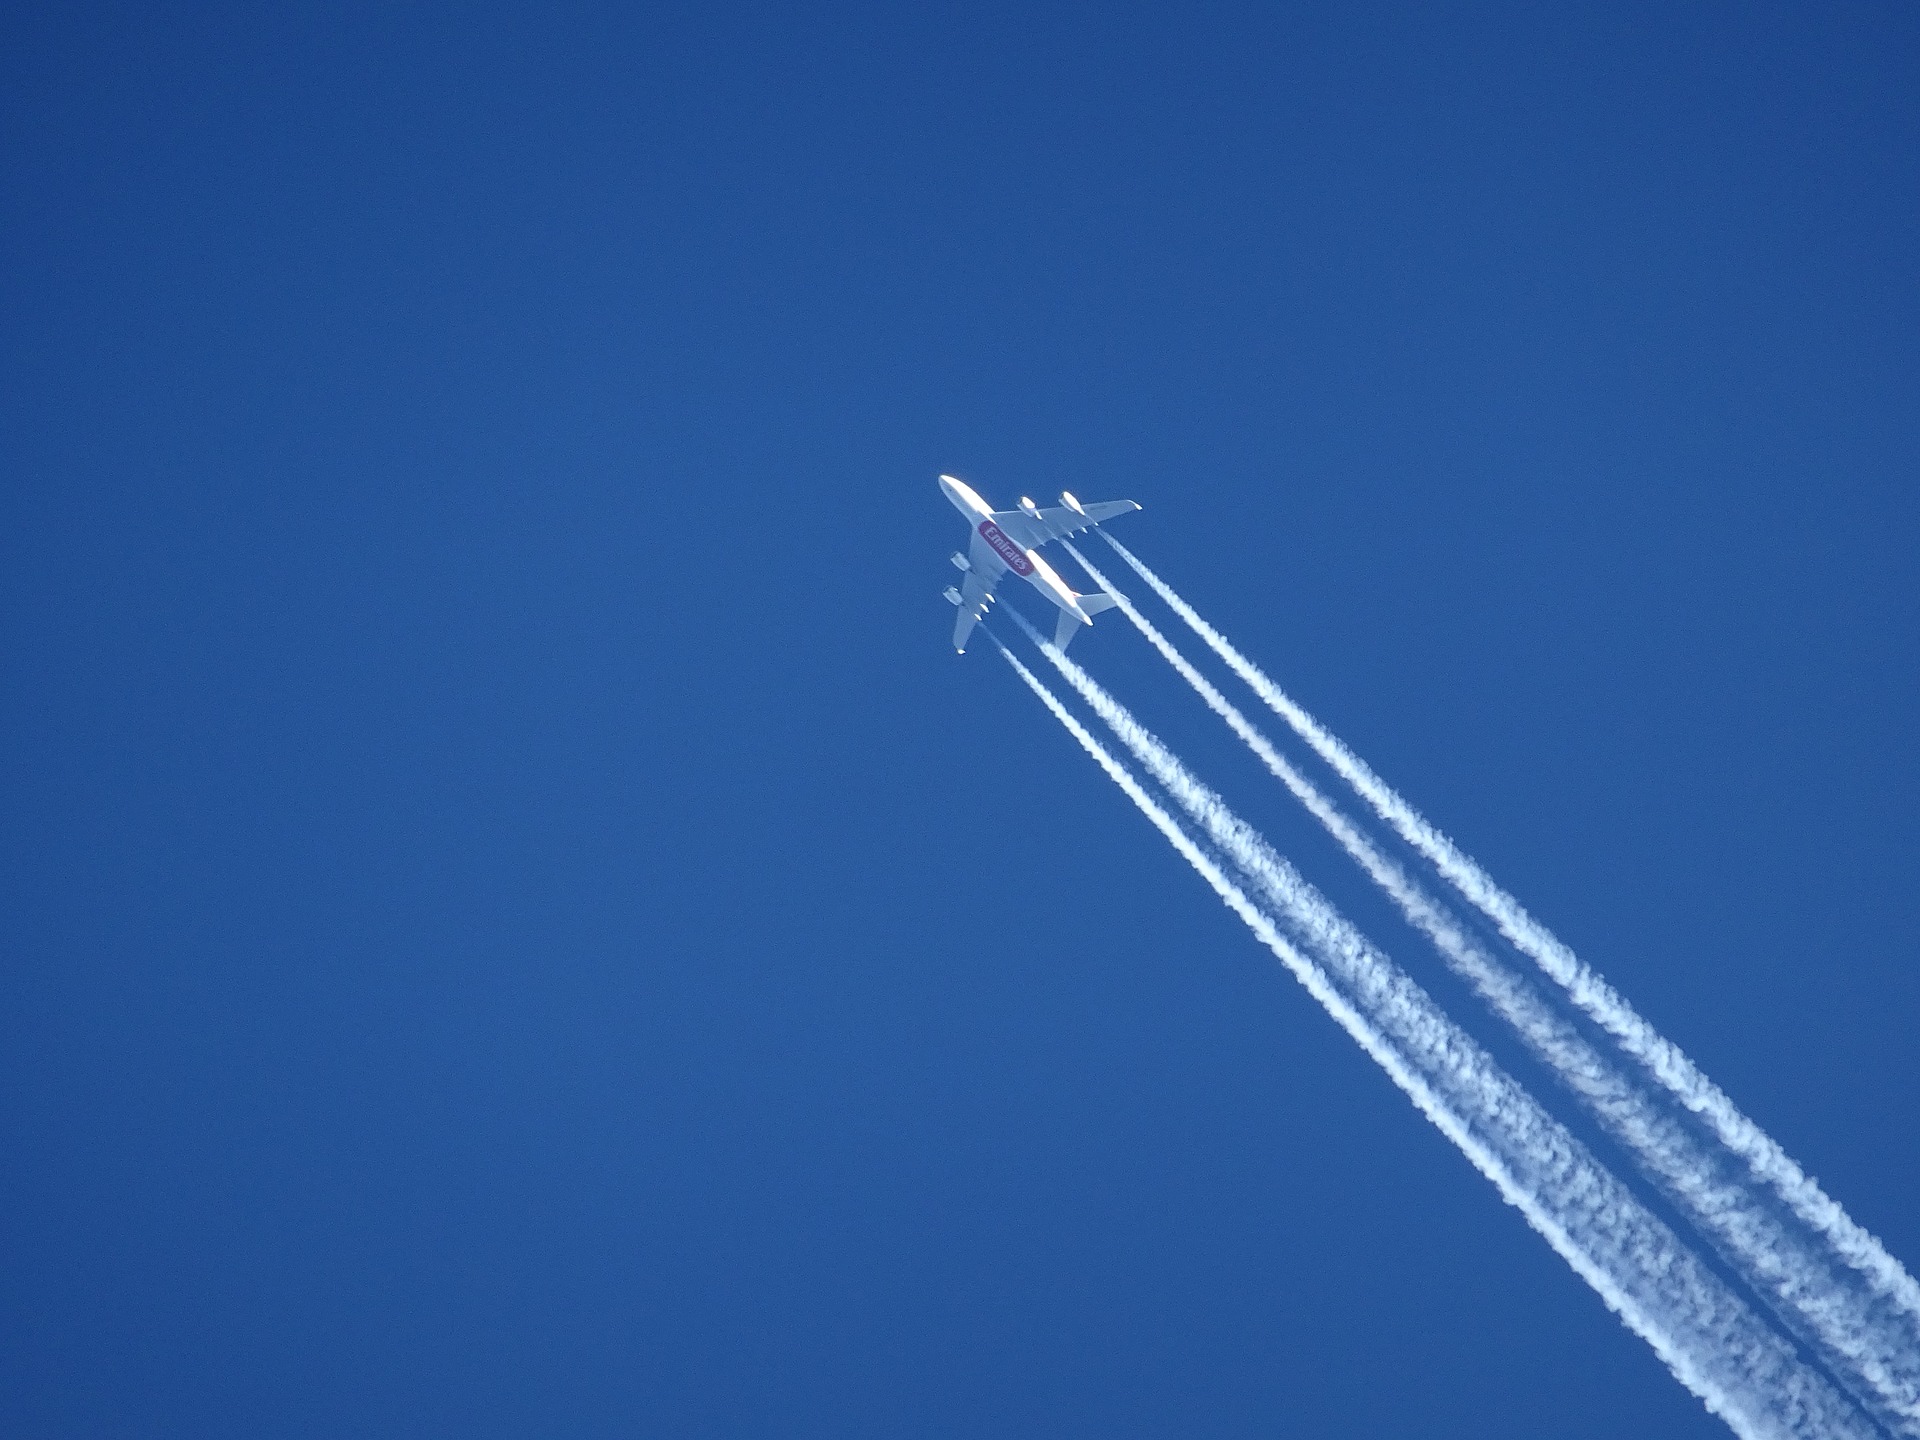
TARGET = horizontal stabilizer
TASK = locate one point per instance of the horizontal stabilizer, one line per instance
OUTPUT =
(1069, 625)
(1065, 628)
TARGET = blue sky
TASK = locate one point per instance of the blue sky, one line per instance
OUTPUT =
(519, 923)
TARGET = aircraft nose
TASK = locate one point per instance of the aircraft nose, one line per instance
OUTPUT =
(962, 497)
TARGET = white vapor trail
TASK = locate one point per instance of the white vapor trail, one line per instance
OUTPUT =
(1780, 1264)
(1711, 1341)
(1891, 1358)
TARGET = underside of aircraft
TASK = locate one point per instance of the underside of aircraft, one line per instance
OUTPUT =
(1004, 540)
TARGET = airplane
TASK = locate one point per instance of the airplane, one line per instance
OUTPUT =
(1006, 540)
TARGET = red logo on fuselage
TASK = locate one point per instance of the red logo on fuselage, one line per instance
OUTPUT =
(1005, 548)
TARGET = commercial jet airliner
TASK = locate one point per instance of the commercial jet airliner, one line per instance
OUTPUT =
(1006, 540)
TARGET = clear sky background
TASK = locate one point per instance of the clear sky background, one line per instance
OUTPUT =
(516, 921)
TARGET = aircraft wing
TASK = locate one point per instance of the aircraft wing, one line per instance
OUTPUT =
(984, 568)
(973, 597)
(1033, 528)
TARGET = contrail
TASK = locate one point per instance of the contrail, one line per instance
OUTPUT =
(1822, 1307)
(1666, 1062)
(1740, 1368)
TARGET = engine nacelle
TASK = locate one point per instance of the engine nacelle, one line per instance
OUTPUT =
(1026, 504)
(960, 562)
(953, 595)
(1071, 503)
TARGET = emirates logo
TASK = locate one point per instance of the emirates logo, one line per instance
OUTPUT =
(1005, 548)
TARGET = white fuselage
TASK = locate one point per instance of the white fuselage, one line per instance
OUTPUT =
(1027, 564)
